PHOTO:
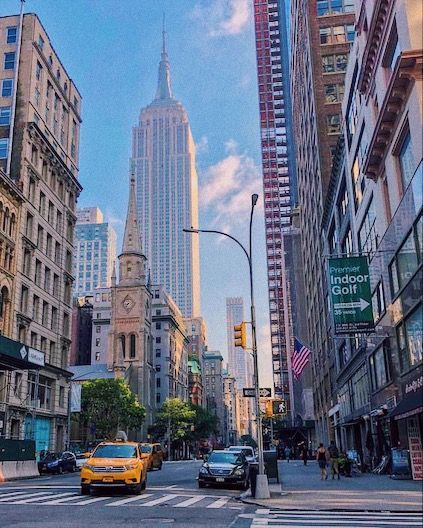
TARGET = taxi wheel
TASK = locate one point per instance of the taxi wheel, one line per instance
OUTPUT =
(85, 490)
(201, 484)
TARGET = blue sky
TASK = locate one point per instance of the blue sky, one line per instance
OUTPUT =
(111, 49)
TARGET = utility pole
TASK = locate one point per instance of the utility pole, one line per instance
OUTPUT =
(262, 484)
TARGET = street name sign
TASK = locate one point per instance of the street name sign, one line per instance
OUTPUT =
(250, 392)
(349, 281)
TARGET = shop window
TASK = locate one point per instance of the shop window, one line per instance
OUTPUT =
(406, 161)
(409, 338)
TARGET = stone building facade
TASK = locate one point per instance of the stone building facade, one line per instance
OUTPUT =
(41, 135)
(170, 347)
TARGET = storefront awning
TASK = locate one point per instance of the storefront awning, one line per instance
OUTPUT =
(15, 355)
(408, 406)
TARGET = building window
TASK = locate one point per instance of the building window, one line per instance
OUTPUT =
(4, 143)
(334, 93)
(334, 63)
(337, 34)
(7, 88)
(378, 301)
(409, 337)
(158, 326)
(368, 238)
(61, 396)
(379, 366)
(43, 399)
(406, 161)
(4, 115)
(132, 345)
(407, 259)
(40, 42)
(333, 7)
(158, 339)
(38, 70)
(9, 61)
(12, 33)
(333, 124)
(392, 49)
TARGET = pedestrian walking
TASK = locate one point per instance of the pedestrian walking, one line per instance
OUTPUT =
(304, 454)
(333, 456)
(287, 453)
(322, 460)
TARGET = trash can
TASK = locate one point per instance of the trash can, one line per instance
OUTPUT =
(254, 469)
(271, 464)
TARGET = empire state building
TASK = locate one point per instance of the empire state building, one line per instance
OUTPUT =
(163, 159)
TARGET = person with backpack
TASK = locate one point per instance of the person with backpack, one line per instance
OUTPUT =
(333, 456)
(321, 457)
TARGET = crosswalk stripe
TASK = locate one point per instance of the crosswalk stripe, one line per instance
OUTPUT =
(89, 501)
(354, 515)
(344, 513)
(64, 498)
(190, 501)
(219, 503)
(25, 496)
(160, 500)
(26, 500)
(130, 499)
(7, 496)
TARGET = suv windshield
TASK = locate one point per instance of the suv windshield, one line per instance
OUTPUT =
(51, 456)
(245, 451)
(146, 449)
(225, 457)
(115, 451)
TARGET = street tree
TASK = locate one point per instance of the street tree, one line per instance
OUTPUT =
(108, 405)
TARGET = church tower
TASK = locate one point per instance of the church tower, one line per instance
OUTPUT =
(130, 342)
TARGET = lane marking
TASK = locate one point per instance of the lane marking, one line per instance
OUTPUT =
(56, 500)
(130, 499)
(27, 495)
(44, 495)
(5, 496)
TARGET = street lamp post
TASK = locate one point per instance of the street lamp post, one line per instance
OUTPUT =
(262, 485)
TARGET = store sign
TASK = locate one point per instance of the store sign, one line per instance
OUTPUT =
(351, 295)
(400, 463)
(75, 405)
(26, 356)
(415, 444)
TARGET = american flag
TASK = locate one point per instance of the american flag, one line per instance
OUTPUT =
(300, 358)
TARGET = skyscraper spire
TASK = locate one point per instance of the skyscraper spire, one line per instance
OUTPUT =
(164, 88)
(131, 237)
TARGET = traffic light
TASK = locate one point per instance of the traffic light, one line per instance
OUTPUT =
(269, 409)
(240, 335)
(279, 407)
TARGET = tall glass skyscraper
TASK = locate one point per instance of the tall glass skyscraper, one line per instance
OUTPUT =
(94, 252)
(163, 161)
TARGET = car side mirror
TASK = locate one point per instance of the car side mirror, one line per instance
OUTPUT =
(205, 458)
(87, 455)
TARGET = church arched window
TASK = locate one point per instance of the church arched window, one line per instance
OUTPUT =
(132, 345)
(122, 339)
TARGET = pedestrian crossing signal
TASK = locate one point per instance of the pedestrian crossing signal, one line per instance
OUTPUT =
(269, 409)
(279, 407)
(240, 335)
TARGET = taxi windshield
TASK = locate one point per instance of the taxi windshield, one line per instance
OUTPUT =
(146, 449)
(115, 451)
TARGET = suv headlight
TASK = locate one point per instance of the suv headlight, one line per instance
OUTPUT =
(203, 470)
(88, 466)
(131, 466)
(239, 472)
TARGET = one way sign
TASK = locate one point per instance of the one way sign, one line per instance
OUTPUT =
(251, 392)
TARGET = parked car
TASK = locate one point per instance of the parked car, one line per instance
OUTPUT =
(81, 458)
(225, 467)
(153, 454)
(57, 462)
(115, 464)
(247, 450)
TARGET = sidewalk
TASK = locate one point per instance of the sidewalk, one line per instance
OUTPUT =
(301, 488)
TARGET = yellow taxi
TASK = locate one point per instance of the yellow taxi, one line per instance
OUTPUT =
(114, 464)
(153, 455)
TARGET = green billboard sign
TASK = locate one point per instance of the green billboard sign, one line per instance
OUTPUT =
(351, 295)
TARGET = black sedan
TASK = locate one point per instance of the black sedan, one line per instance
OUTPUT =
(224, 467)
(57, 462)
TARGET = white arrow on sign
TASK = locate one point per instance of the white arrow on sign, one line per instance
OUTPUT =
(265, 393)
(23, 352)
(362, 304)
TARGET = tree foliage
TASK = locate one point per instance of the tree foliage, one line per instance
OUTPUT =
(248, 440)
(187, 422)
(109, 405)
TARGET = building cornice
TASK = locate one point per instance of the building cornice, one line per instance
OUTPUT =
(407, 69)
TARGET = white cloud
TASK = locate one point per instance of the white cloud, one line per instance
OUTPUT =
(223, 17)
(227, 186)
(202, 146)
(112, 219)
